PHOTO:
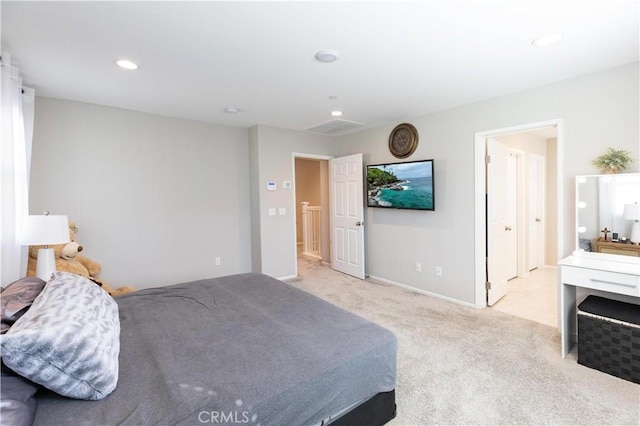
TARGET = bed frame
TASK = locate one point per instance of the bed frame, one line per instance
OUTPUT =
(376, 411)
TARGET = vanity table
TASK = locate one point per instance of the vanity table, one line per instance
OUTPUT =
(615, 275)
(611, 269)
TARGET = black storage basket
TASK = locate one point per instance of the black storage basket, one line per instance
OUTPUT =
(609, 337)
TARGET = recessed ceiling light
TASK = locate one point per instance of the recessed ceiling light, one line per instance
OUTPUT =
(336, 113)
(233, 110)
(126, 64)
(333, 97)
(546, 40)
(327, 55)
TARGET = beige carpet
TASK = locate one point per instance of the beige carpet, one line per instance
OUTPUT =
(459, 365)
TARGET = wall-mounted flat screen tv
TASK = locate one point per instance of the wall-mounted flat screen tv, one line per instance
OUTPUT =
(407, 185)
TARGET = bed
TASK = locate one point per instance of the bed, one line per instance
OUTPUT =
(242, 349)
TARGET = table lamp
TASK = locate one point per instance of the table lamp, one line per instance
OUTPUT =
(44, 230)
(632, 212)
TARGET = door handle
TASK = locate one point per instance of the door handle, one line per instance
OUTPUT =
(507, 228)
(359, 223)
(538, 219)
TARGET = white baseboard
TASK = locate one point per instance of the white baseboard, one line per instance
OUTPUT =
(425, 292)
(288, 277)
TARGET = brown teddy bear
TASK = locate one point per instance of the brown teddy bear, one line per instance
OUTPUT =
(68, 259)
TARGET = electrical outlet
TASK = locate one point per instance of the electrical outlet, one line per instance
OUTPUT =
(218, 261)
(418, 267)
(438, 271)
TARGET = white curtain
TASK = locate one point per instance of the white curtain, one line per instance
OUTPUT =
(16, 131)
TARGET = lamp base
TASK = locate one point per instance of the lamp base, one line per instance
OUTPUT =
(635, 233)
(46, 265)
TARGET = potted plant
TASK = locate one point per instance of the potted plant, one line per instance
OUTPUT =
(613, 161)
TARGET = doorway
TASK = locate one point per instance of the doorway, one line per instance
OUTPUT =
(341, 194)
(311, 186)
(534, 165)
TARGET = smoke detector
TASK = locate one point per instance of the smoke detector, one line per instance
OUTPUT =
(327, 55)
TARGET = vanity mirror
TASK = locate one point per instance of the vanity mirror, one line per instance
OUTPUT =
(606, 211)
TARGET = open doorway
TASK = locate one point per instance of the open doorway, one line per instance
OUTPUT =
(342, 210)
(311, 188)
(515, 266)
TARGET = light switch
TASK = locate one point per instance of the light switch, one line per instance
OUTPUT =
(286, 184)
(272, 211)
(282, 211)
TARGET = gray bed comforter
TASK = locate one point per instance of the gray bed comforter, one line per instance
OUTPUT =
(243, 349)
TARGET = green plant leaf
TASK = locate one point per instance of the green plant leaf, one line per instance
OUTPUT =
(613, 161)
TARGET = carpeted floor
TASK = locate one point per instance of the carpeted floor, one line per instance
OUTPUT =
(459, 365)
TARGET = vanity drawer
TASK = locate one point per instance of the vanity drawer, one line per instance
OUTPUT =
(613, 282)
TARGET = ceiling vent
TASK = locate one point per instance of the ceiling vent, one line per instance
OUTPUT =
(335, 127)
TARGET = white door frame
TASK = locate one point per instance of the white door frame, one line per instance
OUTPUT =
(295, 155)
(521, 192)
(518, 224)
(480, 227)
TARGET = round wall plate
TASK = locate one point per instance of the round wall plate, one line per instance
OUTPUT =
(403, 140)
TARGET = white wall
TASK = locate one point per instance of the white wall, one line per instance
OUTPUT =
(525, 142)
(274, 148)
(156, 199)
(598, 110)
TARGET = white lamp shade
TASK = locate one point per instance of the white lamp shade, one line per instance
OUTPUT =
(631, 211)
(45, 230)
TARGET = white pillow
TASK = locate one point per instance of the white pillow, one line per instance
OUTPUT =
(69, 340)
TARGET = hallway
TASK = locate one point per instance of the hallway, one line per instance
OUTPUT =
(534, 297)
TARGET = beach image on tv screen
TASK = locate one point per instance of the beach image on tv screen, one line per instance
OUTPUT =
(401, 185)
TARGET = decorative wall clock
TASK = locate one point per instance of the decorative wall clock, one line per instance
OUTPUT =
(403, 140)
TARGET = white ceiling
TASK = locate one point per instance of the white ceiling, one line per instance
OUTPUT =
(398, 60)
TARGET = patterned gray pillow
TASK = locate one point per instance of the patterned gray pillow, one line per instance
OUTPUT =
(69, 340)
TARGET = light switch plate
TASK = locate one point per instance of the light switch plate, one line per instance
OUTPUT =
(286, 184)
(282, 211)
(272, 211)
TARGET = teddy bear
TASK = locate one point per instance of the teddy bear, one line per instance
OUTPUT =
(68, 259)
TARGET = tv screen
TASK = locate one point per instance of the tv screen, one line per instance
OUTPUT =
(406, 185)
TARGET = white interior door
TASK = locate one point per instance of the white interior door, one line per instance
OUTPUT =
(346, 191)
(536, 211)
(512, 215)
(497, 228)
